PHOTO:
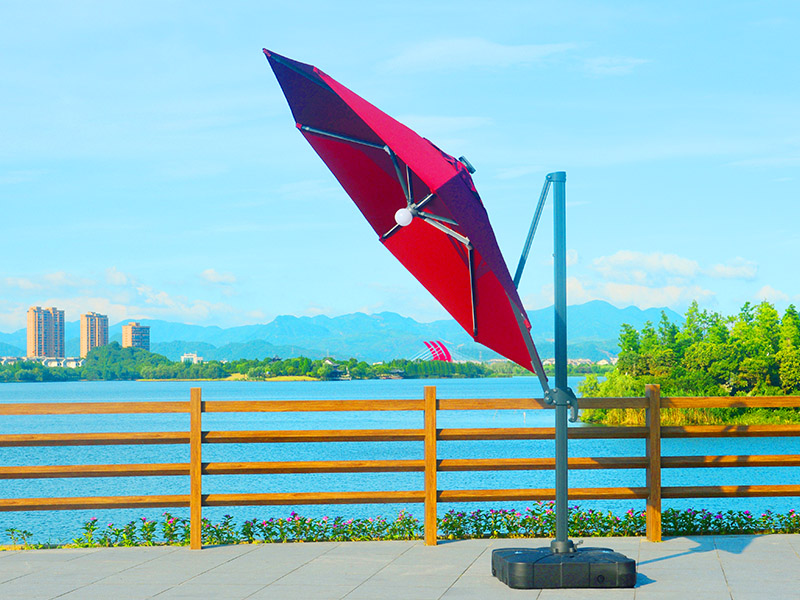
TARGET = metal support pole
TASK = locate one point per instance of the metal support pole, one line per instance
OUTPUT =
(559, 179)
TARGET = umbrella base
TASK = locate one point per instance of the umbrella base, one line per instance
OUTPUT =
(527, 568)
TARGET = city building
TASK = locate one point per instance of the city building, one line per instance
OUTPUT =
(45, 332)
(94, 332)
(135, 335)
(191, 357)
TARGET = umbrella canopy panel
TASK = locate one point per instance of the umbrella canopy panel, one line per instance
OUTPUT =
(446, 241)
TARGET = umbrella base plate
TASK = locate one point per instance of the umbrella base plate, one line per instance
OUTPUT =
(528, 568)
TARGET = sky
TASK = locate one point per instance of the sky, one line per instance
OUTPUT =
(150, 167)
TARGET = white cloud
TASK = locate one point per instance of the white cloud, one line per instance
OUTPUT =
(627, 265)
(116, 277)
(314, 310)
(622, 294)
(572, 257)
(60, 279)
(214, 276)
(625, 294)
(612, 65)
(770, 294)
(576, 294)
(738, 268)
(22, 283)
(57, 279)
(465, 53)
(12, 316)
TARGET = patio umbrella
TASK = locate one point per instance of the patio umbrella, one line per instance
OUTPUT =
(420, 201)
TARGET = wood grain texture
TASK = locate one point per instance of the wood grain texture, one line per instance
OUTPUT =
(92, 502)
(430, 522)
(93, 408)
(731, 491)
(195, 469)
(59, 471)
(93, 439)
(653, 453)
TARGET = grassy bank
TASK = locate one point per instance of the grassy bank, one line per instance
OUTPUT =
(693, 416)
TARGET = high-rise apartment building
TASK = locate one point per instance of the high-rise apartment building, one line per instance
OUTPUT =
(135, 335)
(45, 332)
(94, 332)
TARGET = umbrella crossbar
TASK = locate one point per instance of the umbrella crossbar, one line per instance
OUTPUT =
(343, 137)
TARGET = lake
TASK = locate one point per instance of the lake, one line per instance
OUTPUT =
(59, 526)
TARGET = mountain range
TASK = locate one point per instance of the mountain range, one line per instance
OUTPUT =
(593, 329)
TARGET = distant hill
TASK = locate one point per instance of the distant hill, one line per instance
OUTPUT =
(593, 329)
(9, 350)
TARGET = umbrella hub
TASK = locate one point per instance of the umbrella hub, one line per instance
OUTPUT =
(403, 217)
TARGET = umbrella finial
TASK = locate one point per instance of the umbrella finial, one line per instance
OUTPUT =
(463, 160)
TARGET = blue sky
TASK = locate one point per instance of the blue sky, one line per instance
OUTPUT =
(149, 166)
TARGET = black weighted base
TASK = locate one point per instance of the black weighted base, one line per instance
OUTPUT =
(526, 568)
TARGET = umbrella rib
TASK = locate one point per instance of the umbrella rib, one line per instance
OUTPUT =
(340, 136)
(439, 218)
(445, 229)
(400, 177)
(391, 232)
(409, 187)
(472, 291)
(421, 204)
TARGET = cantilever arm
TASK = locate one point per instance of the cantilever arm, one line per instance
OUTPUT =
(531, 232)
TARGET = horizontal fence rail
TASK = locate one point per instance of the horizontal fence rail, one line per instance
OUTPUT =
(429, 464)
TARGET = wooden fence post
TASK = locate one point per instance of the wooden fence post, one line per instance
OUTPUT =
(430, 522)
(195, 469)
(653, 417)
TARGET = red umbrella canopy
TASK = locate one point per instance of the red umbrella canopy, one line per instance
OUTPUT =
(421, 202)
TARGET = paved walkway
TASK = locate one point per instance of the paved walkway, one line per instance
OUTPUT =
(737, 567)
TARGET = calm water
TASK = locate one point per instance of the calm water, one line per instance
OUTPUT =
(61, 526)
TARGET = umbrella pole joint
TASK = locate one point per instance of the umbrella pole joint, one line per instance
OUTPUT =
(564, 397)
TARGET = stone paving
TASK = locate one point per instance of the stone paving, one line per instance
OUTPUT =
(703, 567)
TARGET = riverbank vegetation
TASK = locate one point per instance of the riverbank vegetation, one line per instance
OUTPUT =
(537, 520)
(753, 353)
(112, 362)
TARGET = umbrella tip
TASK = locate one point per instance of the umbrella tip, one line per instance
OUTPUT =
(463, 160)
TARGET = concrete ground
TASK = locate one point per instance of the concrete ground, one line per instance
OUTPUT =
(712, 567)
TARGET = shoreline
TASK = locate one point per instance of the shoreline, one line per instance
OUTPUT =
(235, 377)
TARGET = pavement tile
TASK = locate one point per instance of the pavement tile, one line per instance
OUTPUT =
(582, 594)
(221, 576)
(309, 576)
(41, 590)
(672, 595)
(495, 591)
(100, 591)
(396, 591)
(759, 595)
(679, 582)
(302, 592)
(228, 591)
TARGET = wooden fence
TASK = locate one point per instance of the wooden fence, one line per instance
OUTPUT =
(429, 464)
